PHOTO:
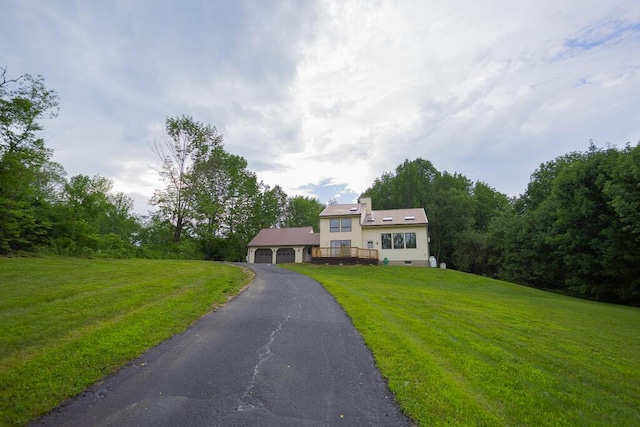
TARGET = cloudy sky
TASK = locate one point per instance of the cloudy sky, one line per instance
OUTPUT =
(323, 97)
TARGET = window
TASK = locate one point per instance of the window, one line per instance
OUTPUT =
(385, 238)
(410, 240)
(398, 240)
(340, 248)
(340, 224)
(369, 244)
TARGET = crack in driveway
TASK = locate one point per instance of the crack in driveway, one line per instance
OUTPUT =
(248, 401)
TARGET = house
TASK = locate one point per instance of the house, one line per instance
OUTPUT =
(398, 236)
(282, 245)
(350, 233)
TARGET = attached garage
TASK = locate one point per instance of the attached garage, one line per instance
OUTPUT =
(264, 256)
(285, 256)
(282, 245)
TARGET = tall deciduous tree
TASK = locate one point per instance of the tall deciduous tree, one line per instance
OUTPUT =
(271, 208)
(210, 195)
(27, 174)
(473, 251)
(488, 203)
(182, 138)
(225, 196)
(24, 102)
(303, 212)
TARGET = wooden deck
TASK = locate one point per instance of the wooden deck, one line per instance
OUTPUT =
(344, 255)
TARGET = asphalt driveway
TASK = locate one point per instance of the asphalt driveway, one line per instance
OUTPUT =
(283, 353)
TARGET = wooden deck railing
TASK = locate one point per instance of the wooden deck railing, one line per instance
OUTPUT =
(344, 252)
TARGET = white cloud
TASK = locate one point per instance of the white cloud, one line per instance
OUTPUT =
(322, 98)
(386, 81)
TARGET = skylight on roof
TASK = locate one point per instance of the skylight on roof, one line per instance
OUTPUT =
(387, 218)
(410, 217)
(353, 209)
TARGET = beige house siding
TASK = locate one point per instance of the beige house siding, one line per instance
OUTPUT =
(326, 235)
(418, 256)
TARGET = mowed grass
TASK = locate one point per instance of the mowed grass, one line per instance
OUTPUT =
(66, 323)
(459, 349)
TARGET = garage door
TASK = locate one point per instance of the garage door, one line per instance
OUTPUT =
(263, 256)
(285, 255)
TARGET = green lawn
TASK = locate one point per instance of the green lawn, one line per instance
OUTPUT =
(459, 349)
(66, 323)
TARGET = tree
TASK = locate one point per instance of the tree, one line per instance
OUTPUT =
(21, 109)
(600, 250)
(488, 203)
(226, 200)
(411, 186)
(623, 190)
(450, 213)
(210, 195)
(270, 209)
(89, 219)
(380, 192)
(215, 175)
(118, 217)
(575, 228)
(623, 195)
(473, 251)
(27, 174)
(182, 138)
(303, 212)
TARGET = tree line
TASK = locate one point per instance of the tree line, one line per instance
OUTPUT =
(210, 207)
(575, 230)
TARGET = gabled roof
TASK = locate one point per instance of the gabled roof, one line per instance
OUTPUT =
(396, 217)
(343, 210)
(297, 236)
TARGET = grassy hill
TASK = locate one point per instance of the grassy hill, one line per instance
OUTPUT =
(459, 349)
(456, 349)
(66, 323)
